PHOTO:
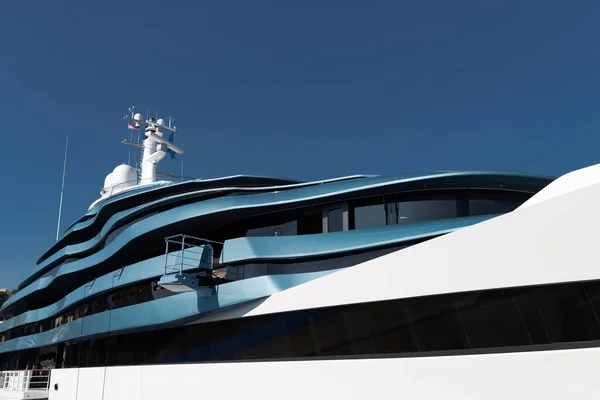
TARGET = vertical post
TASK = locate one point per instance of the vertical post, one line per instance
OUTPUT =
(62, 189)
(166, 254)
(182, 251)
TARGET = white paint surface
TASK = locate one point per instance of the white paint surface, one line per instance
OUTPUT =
(28, 395)
(567, 183)
(91, 384)
(67, 384)
(125, 383)
(568, 374)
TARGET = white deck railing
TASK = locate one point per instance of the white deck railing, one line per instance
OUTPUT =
(23, 381)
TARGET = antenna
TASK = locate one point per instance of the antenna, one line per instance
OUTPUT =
(155, 145)
(62, 189)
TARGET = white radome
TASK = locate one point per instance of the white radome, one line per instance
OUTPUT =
(124, 176)
(108, 181)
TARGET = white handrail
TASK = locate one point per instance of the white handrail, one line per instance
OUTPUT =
(186, 244)
(23, 381)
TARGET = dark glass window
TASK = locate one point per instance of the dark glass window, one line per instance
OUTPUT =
(490, 206)
(310, 223)
(285, 229)
(425, 210)
(493, 322)
(335, 220)
(390, 328)
(532, 318)
(568, 314)
(437, 326)
(370, 216)
(359, 332)
(300, 334)
(330, 333)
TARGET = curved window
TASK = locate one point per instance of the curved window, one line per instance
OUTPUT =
(369, 216)
(426, 210)
(407, 208)
(335, 220)
(492, 206)
(381, 210)
(284, 229)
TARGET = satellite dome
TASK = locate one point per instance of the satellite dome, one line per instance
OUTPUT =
(108, 181)
(124, 176)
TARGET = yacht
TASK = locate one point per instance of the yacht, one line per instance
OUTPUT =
(449, 284)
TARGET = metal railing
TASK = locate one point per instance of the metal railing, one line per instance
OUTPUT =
(187, 252)
(120, 187)
(23, 381)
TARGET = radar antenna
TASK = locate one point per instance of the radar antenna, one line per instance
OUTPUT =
(155, 146)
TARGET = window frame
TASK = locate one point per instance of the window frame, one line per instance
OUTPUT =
(345, 217)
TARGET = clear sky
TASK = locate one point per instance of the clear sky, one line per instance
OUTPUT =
(296, 89)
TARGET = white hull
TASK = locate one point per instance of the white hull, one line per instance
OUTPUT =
(559, 374)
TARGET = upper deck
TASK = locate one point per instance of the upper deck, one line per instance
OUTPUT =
(144, 217)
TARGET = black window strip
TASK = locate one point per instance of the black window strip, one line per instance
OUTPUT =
(549, 317)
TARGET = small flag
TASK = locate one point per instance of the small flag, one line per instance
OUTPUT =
(130, 126)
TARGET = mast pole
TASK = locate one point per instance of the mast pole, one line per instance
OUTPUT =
(62, 188)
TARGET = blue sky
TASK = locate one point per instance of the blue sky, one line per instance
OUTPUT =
(303, 89)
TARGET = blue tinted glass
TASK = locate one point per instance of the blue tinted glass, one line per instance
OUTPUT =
(335, 220)
(369, 216)
(487, 206)
(425, 210)
(286, 229)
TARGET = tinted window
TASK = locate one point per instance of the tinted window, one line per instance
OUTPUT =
(568, 314)
(369, 216)
(285, 229)
(529, 309)
(335, 220)
(437, 326)
(494, 322)
(424, 210)
(330, 333)
(390, 328)
(487, 206)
